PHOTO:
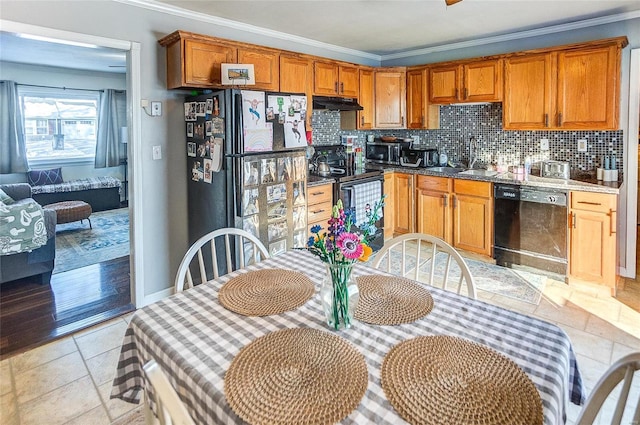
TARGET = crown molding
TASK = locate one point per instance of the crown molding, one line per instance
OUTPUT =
(184, 13)
(517, 35)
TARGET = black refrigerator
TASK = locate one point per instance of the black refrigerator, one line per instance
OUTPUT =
(246, 155)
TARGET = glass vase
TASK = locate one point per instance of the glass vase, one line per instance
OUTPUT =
(339, 295)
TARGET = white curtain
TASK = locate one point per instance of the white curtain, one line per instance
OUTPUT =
(107, 142)
(13, 149)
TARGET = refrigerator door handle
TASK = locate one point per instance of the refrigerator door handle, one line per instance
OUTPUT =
(238, 142)
(238, 179)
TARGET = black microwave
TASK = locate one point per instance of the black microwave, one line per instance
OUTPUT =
(385, 152)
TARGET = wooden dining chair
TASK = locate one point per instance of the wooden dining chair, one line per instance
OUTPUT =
(623, 371)
(170, 409)
(410, 246)
(219, 241)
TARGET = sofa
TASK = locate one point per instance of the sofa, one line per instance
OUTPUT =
(102, 193)
(40, 261)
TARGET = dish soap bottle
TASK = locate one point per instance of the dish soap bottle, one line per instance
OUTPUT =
(443, 159)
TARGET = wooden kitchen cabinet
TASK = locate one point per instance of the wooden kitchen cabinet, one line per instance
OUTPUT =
(420, 113)
(433, 212)
(592, 238)
(390, 97)
(389, 206)
(194, 61)
(333, 79)
(477, 81)
(296, 76)
(571, 89)
(266, 67)
(403, 203)
(366, 99)
(457, 211)
(319, 205)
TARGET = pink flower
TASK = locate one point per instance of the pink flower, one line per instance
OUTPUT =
(350, 245)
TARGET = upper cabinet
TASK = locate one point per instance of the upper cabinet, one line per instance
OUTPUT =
(366, 99)
(575, 88)
(334, 79)
(477, 81)
(266, 67)
(390, 97)
(420, 113)
(296, 76)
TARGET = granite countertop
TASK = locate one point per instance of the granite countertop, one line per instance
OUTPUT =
(313, 180)
(583, 182)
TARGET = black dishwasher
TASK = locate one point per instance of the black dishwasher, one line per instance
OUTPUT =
(530, 227)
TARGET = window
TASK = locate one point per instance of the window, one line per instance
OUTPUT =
(60, 125)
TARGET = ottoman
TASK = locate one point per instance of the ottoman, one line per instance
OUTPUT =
(69, 211)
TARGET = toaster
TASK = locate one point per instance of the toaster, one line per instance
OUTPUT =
(555, 169)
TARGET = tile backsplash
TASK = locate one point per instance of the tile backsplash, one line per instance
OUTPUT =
(459, 123)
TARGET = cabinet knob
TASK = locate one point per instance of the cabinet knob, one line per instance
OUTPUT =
(445, 199)
(422, 120)
(455, 93)
(335, 86)
(612, 222)
(455, 201)
(559, 119)
(546, 120)
(573, 220)
(362, 120)
(466, 93)
(341, 87)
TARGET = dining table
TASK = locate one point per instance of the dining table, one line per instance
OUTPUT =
(195, 339)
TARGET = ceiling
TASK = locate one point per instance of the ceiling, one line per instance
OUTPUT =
(377, 29)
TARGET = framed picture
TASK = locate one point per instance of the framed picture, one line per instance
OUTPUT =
(238, 74)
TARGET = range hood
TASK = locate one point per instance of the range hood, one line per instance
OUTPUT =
(336, 103)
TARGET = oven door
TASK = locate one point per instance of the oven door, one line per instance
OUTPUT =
(351, 195)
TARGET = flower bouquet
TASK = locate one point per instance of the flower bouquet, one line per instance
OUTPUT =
(339, 247)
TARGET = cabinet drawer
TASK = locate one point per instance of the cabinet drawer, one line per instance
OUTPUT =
(319, 194)
(597, 202)
(441, 184)
(319, 213)
(473, 188)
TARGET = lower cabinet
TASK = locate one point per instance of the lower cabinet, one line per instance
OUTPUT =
(403, 203)
(319, 205)
(389, 206)
(458, 211)
(592, 240)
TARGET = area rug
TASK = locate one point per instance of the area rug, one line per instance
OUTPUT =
(78, 246)
(517, 284)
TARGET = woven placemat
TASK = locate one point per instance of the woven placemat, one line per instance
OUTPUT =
(386, 300)
(442, 380)
(266, 292)
(296, 376)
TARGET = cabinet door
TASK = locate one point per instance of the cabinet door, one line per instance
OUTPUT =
(433, 214)
(528, 83)
(416, 98)
(403, 202)
(266, 67)
(366, 100)
(296, 76)
(588, 82)
(389, 205)
(444, 83)
(390, 99)
(592, 247)
(472, 219)
(349, 81)
(325, 78)
(202, 63)
(483, 81)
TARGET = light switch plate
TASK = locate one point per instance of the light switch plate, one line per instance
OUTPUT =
(582, 145)
(544, 144)
(157, 152)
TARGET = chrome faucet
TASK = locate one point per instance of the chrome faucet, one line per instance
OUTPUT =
(473, 151)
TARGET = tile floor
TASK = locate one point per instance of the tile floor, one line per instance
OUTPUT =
(68, 381)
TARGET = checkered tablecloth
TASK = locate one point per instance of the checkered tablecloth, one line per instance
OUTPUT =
(195, 339)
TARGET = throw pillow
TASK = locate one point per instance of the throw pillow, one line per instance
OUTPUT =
(5, 199)
(42, 177)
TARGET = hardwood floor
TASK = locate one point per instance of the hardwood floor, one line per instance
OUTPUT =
(32, 314)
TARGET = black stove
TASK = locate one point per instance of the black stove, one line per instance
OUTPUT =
(342, 165)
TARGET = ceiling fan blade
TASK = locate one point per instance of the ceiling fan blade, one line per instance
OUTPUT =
(452, 2)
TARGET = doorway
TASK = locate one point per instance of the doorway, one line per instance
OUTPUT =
(126, 266)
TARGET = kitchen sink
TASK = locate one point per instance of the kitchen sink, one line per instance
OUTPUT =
(485, 173)
(446, 170)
